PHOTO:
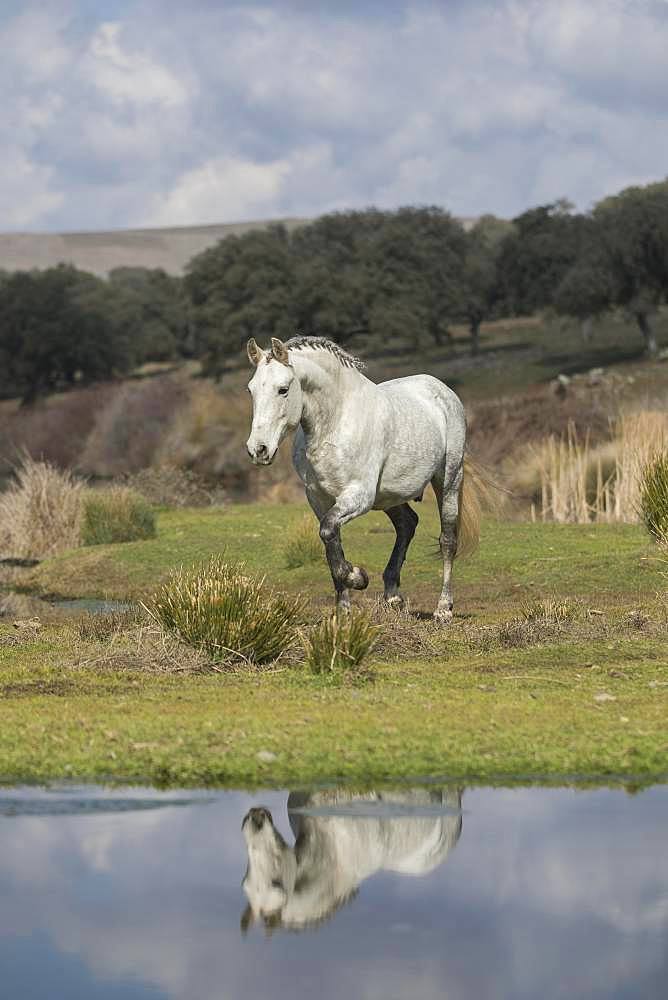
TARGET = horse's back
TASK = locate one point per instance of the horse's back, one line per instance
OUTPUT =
(426, 386)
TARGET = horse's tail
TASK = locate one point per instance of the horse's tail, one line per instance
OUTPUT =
(477, 495)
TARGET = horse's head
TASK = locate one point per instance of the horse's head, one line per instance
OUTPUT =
(270, 877)
(277, 400)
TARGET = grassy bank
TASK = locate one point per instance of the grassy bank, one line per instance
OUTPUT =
(498, 697)
(515, 561)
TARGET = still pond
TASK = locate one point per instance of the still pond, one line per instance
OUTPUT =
(420, 893)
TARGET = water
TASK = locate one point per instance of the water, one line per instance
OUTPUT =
(77, 605)
(15, 605)
(527, 893)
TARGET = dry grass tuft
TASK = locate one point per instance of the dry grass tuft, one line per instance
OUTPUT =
(339, 644)
(218, 608)
(40, 513)
(550, 612)
(140, 645)
(102, 627)
(403, 634)
(537, 621)
(303, 546)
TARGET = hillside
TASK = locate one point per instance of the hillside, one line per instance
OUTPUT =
(100, 252)
(169, 248)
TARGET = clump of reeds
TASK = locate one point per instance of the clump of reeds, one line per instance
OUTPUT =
(40, 513)
(118, 514)
(218, 608)
(339, 644)
(579, 484)
(654, 496)
(303, 546)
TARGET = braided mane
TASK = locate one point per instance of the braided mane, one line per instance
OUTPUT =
(323, 344)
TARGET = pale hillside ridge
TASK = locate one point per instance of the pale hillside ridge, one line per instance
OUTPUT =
(169, 248)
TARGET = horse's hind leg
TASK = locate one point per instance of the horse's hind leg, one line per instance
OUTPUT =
(447, 487)
(405, 522)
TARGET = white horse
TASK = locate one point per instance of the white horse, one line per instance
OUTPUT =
(339, 845)
(359, 447)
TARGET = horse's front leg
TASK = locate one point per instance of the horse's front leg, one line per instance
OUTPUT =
(350, 504)
(333, 549)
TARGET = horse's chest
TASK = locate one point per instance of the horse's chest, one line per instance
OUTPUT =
(332, 468)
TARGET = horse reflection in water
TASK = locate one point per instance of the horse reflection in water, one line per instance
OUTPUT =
(352, 837)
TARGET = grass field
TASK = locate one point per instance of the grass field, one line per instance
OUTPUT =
(499, 696)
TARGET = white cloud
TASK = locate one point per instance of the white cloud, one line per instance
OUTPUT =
(215, 112)
(33, 44)
(126, 76)
(226, 188)
(26, 191)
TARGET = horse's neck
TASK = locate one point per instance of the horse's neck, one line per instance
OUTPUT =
(326, 387)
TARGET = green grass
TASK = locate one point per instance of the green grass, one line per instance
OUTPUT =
(515, 562)
(499, 716)
(468, 705)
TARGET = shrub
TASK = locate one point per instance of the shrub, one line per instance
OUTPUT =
(170, 486)
(303, 546)
(218, 608)
(339, 644)
(118, 514)
(130, 427)
(40, 513)
(654, 496)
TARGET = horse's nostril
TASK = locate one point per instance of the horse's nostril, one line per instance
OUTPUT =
(258, 815)
(261, 449)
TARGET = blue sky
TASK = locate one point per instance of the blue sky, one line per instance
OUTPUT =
(120, 113)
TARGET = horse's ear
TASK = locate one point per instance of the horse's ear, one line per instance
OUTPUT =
(279, 350)
(247, 918)
(254, 352)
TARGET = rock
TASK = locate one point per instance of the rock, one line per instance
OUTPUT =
(28, 624)
(604, 696)
(266, 756)
(560, 385)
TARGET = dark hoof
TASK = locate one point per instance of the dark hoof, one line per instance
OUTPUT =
(357, 579)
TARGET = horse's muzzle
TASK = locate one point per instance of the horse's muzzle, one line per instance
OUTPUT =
(261, 456)
(257, 816)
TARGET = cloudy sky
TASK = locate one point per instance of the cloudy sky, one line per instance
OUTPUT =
(120, 113)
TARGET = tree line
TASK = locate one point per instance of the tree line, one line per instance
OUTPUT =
(402, 275)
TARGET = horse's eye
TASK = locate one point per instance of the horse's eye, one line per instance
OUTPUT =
(276, 883)
(283, 391)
